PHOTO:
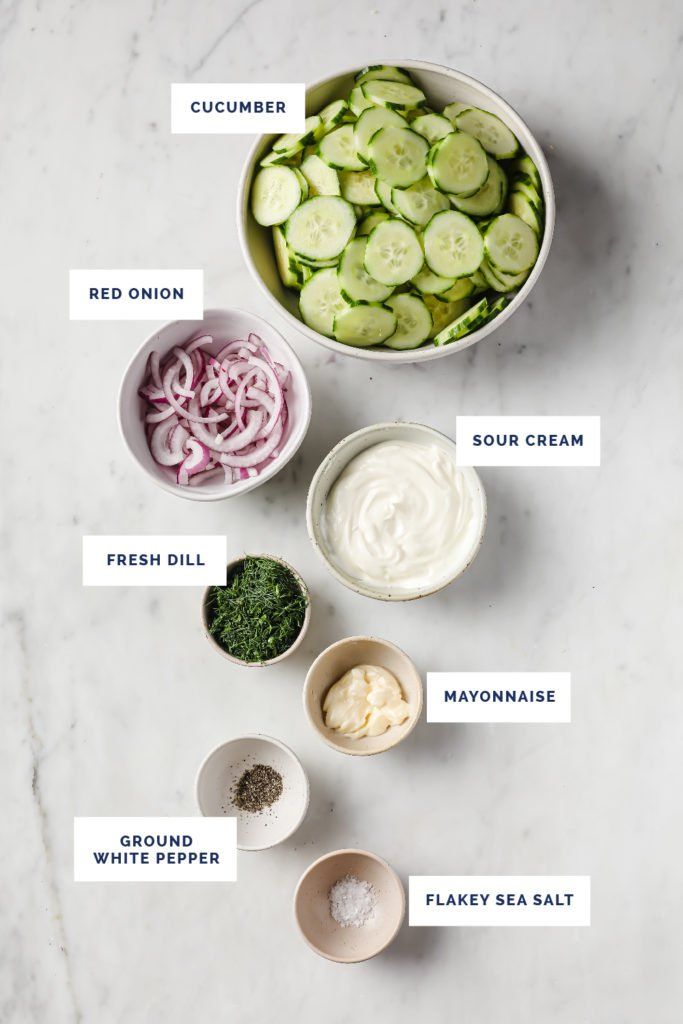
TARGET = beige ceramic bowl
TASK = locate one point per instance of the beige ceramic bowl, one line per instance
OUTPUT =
(337, 460)
(312, 911)
(333, 662)
(441, 85)
(272, 661)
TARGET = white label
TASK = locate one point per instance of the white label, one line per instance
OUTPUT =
(474, 901)
(498, 697)
(147, 561)
(155, 849)
(527, 440)
(136, 294)
(236, 108)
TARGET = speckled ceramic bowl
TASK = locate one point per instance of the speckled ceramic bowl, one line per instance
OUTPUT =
(337, 460)
(441, 85)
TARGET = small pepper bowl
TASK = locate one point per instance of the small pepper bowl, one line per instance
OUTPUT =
(230, 569)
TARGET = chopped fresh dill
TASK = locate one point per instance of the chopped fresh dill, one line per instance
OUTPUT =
(259, 613)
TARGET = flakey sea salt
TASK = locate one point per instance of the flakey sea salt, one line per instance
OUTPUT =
(352, 902)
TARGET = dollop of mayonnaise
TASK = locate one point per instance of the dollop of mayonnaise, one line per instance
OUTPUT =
(402, 515)
(365, 702)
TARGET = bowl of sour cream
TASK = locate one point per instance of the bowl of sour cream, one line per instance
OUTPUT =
(392, 515)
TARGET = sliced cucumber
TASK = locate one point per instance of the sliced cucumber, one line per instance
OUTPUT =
(370, 122)
(358, 187)
(453, 109)
(432, 126)
(355, 282)
(458, 165)
(501, 282)
(526, 211)
(453, 245)
(479, 281)
(444, 313)
(321, 228)
(333, 114)
(525, 165)
(429, 283)
(364, 324)
(464, 324)
(490, 198)
(322, 179)
(338, 150)
(275, 194)
(286, 265)
(393, 254)
(385, 72)
(287, 143)
(398, 156)
(289, 157)
(396, 95)
(384, 194)
(413, 322)
(321, 300)
(511, 245)
(358, 102)
(495, 137)
(419, 202)
(524, 185)
(303, 182)
(371, 221)
(462, 289)
(495, 307)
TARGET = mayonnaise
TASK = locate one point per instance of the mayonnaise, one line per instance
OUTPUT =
(365, 702)
(402, 516)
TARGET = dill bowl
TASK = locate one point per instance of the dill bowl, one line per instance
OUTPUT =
(231, 568)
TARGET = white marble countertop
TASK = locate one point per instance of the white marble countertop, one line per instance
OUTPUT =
(112, 696)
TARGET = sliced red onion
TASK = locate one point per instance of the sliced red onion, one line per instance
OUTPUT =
(196, 459)
(159, 444)
(256, 456)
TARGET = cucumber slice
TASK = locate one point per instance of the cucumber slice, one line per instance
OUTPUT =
(289, 157)
(419, 202)
(502, 282)
(525, 165)
(478, 280)
(413, 322)
(393, 254)
(453, 109)
(398, 156)
(286, 143)
(453, 245)
(511, 245)
(333, 114)
(495, 137)
(286, 265)
(526, 211)
(385, 72)
(358, 102)
(462, 289)
(490, 197)
(303, 182)
(321, 228)
(495, 307)
(370, 122)
(444, 313)
(429, 283)
(384, 194)
(364, 324)
(396, 95)
(457, 164)
(464, 324)
(320, 301)
(338, 150)
(322, 179)
(432, 126)
(275, 194)
(355, 282)
(525, 186)
(371, 221)
(358, 187)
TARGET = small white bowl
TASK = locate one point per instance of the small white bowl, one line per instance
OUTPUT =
(441, 85)
(223, 767)
(223, 325)
(332, 466)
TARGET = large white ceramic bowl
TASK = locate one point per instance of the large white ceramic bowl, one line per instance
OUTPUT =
(441, 85)
(223, 325)
(333, 465)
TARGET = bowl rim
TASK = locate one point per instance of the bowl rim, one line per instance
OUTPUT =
(327, 735)
(276, 743)
(313, 517)
(299, 431)
(232, 564)
(426, 353)
(392, 874)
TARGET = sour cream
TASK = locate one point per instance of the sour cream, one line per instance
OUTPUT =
(403, 516)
